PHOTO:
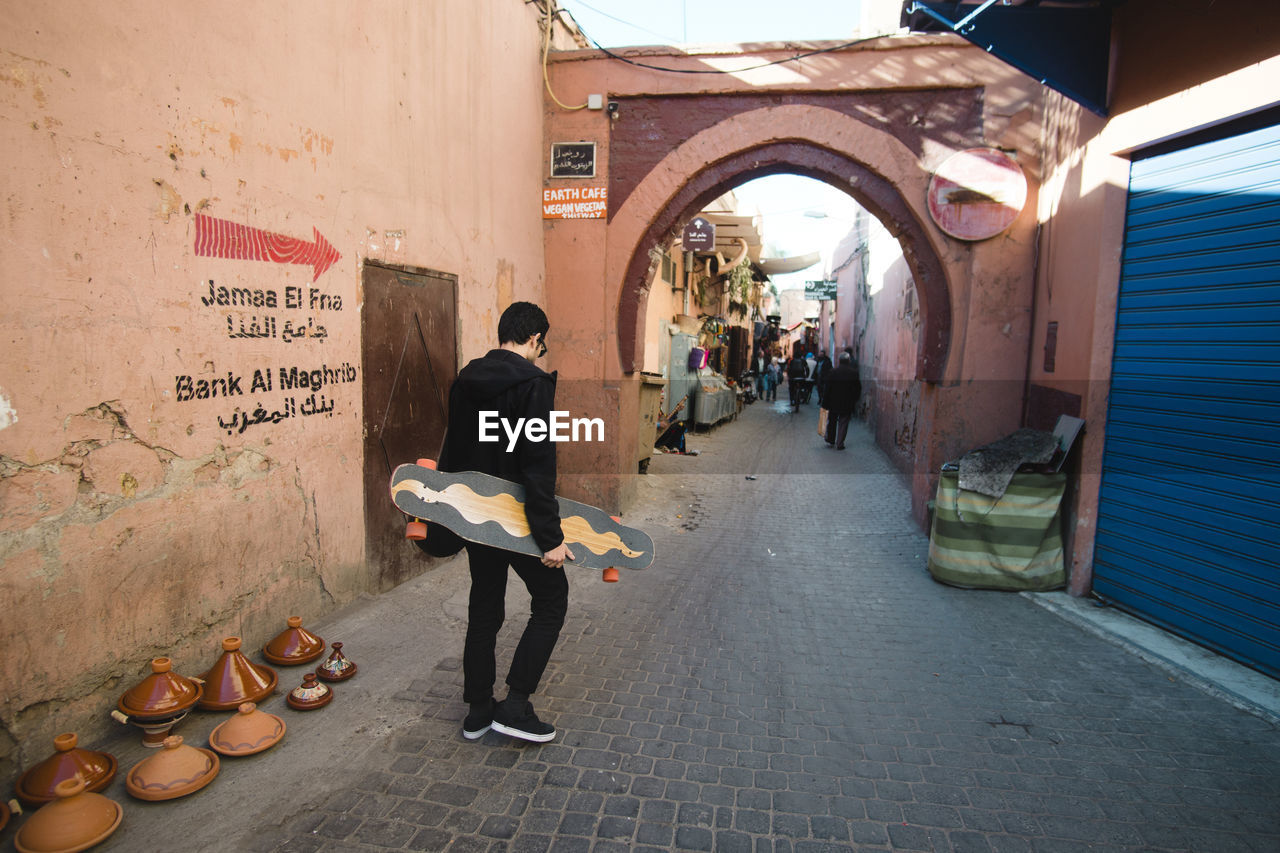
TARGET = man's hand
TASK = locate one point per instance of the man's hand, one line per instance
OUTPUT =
(556, 556)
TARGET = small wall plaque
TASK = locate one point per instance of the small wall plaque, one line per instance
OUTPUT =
(573, 159)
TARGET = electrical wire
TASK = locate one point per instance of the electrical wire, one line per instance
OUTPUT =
(552, 12)
(798, 56)
(607, 52)
(624, 23)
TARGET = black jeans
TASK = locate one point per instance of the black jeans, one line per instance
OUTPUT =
(486, 611)
(837, 428)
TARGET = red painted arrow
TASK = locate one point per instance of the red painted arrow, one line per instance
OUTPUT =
(220, 238)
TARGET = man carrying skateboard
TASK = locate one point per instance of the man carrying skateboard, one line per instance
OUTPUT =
(506, 381)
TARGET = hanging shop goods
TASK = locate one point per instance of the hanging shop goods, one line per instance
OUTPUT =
(295, 645)
(175, 771)
(249, 732)
(235, 679)
(336, 667)
(76, 820)
(310, 695)
(37, 785)
(158, 702)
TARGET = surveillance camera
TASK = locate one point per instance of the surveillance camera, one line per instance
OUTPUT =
(612, 109)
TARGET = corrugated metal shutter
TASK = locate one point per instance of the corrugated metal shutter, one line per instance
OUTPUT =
(1189, 513)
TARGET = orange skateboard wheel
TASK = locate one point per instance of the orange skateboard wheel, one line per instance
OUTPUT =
(416, 530)
(610, 575)
(428, 463)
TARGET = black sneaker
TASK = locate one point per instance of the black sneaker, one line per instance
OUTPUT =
(478, 722)
(521, 723)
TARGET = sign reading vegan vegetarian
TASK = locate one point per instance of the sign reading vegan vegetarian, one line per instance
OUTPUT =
(575, 203)
(573, 159)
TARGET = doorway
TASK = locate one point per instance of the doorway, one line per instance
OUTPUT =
(409, 351)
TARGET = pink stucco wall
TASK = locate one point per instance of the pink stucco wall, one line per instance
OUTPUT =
(133, 521)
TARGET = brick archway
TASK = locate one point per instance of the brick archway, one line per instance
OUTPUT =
(872, 191)
(866, 159)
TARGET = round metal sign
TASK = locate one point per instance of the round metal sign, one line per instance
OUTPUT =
(977, 193)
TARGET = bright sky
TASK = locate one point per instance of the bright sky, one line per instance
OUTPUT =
(620, 23)
(783, 200)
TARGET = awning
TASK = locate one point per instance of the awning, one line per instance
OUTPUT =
(1065, 44)
(778, 266)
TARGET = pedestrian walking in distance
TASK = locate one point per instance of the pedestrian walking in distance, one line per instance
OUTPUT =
(840, 398)
(797, 373)
(506, 380)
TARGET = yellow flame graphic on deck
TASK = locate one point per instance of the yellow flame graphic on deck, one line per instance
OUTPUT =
(509, 514)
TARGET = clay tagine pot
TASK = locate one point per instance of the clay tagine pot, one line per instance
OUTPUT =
(310, 695)
(336, 667)
(158, 702)
(235, 679)
(4, 815)
(175, 771)
(249, 732)
(293, 645)
(76, 820)
(36, 786)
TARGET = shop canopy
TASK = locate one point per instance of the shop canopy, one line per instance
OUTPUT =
(1065, 44)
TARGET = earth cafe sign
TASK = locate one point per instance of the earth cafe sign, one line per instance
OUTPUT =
(977, 193)
(699, 236)
(575, 203)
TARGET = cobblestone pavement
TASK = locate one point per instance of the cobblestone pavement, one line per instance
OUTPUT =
(787, 677)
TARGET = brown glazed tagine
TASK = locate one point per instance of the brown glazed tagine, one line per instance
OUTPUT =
(336, 667)
(293, 645)
(36, 786)
(158, 702)
(310, 695)
(175, 771)
(77, 820)
(235, 679)
(249, 732)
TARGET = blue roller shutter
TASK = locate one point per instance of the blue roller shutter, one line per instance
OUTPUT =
(1188, 532)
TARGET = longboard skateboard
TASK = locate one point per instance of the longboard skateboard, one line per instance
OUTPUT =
(490, 510)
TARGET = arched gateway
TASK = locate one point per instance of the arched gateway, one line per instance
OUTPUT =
(873, 121)
(771, 141)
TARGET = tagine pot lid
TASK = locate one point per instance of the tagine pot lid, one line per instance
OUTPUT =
(76, 820)
(293, 645)
(336, 667)
(309, 695)
(163, 693)
(249, 732)
(174, 771)
(37, 785)
(235, 679)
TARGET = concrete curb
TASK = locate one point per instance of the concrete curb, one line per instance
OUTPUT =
(1240, 686)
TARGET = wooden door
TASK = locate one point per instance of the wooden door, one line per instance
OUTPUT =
(410, 356)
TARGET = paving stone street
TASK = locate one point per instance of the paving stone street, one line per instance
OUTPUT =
(787, 677)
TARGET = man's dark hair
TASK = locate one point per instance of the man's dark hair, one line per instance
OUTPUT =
(521, 321)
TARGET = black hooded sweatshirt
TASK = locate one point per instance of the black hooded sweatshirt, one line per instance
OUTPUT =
(507, 383)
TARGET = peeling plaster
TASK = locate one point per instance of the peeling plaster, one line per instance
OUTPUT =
(8, 414)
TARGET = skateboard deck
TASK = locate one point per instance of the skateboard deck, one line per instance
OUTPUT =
(490, 510)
